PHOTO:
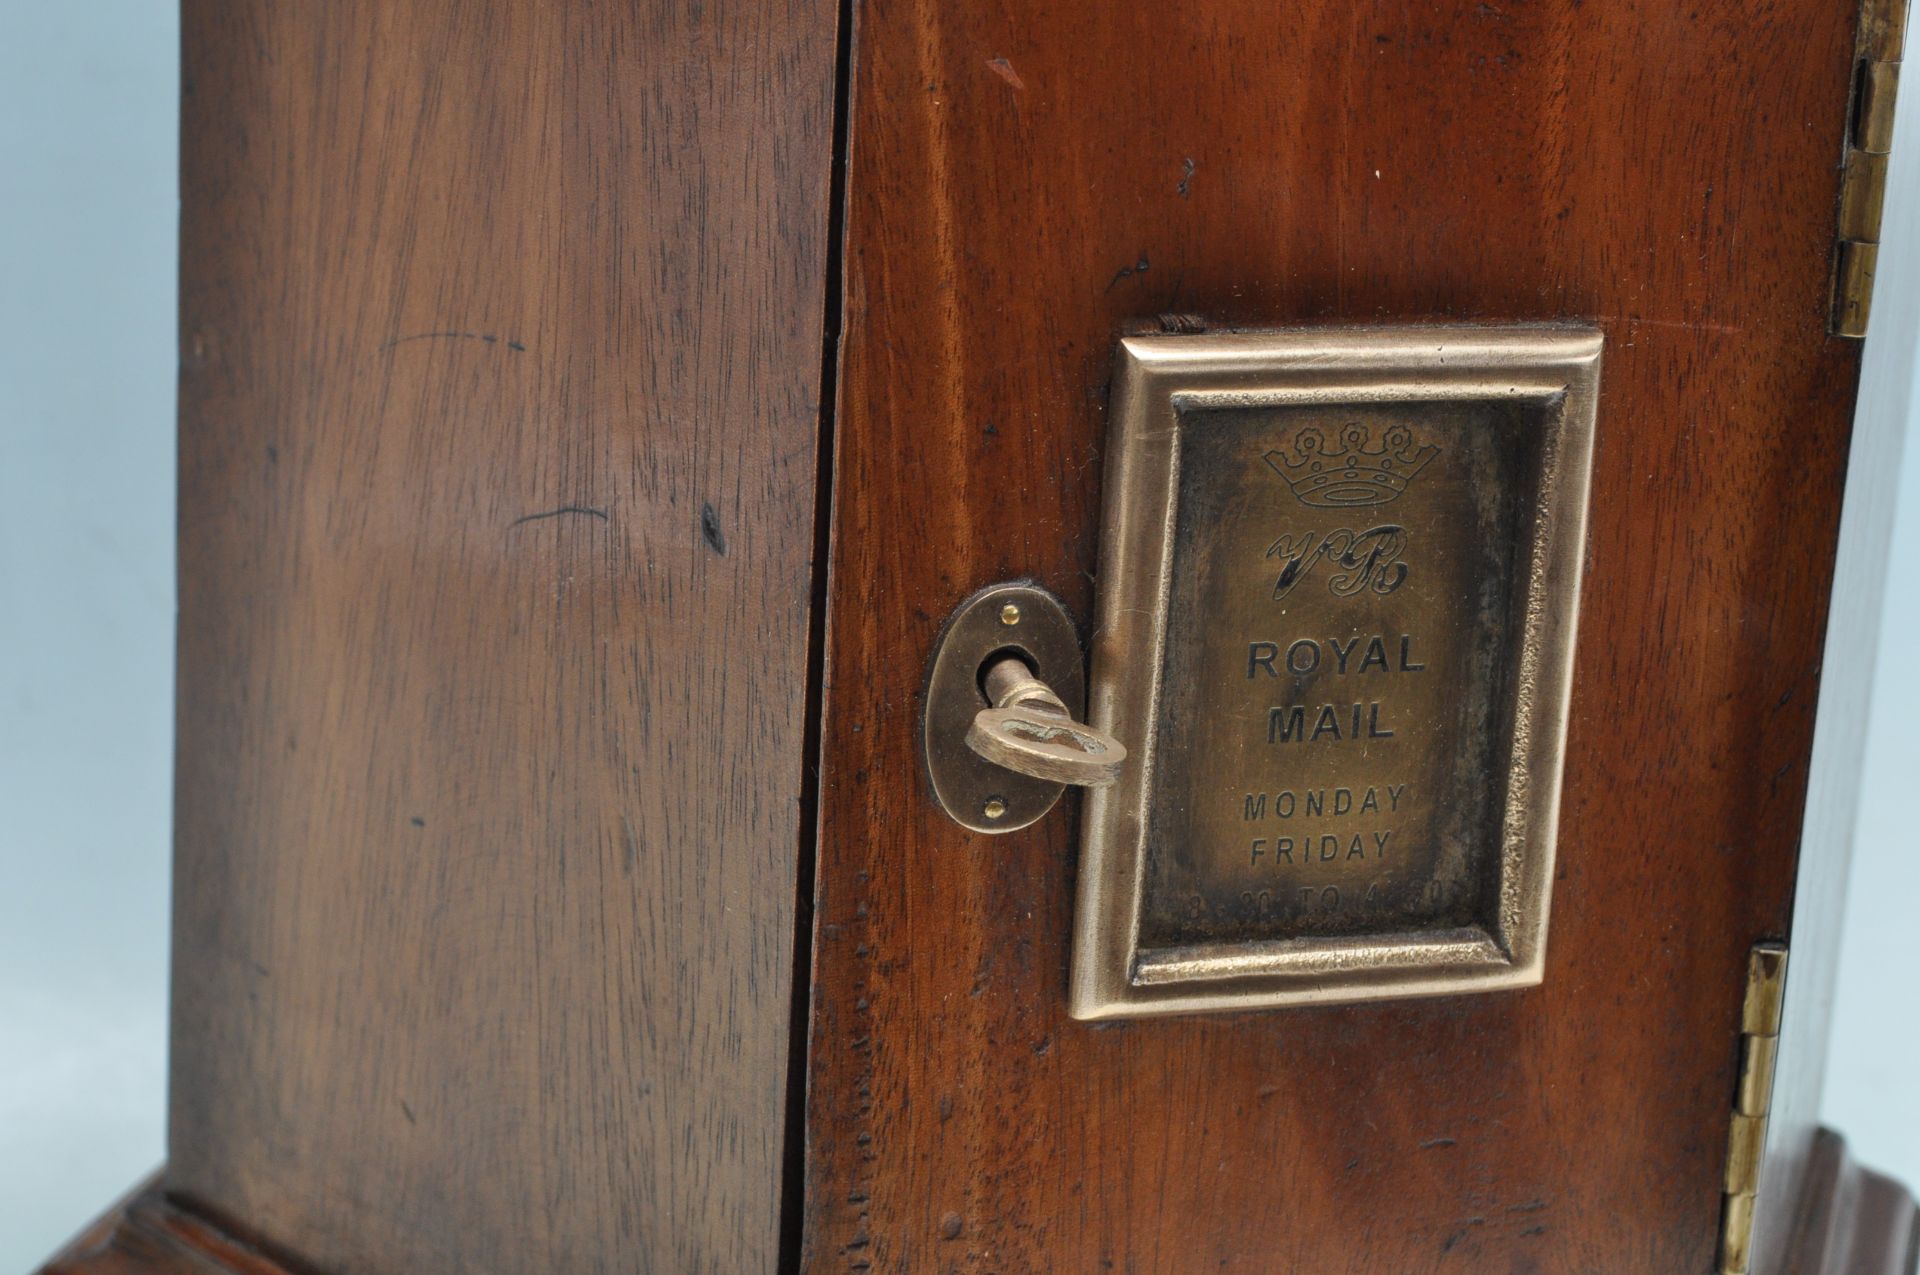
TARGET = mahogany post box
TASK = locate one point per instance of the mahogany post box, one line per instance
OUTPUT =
(922, 637)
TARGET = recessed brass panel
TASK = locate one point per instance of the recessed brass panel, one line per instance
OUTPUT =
(1338, 582)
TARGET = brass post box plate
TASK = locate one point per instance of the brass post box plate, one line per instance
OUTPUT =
(1338, 582)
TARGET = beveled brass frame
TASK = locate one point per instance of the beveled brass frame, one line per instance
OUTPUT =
(1159, 378)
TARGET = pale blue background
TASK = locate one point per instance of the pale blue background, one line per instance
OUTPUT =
(88, 92)
(89, 112)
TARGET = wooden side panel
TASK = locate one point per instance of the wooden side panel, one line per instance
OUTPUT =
(502, 331)
(1026, 182)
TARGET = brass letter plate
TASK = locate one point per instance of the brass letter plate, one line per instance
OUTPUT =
(1338, 581)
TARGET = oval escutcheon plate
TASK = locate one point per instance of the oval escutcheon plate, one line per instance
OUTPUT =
(1012, 619)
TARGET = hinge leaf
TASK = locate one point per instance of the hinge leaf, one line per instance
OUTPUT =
(1863, 181)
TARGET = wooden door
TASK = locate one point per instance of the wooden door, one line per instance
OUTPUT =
(1026, 184)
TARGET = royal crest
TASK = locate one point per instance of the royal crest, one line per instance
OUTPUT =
(1359, 471)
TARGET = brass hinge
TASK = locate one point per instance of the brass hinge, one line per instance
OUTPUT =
(1863, 182)
(1752, 1099)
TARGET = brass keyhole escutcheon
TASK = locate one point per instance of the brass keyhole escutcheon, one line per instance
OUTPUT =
(999, 734)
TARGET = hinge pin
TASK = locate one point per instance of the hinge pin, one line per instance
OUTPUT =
(1863, 184)
(1752, 1102)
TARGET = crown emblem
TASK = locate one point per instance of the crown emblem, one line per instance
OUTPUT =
(1355, 472)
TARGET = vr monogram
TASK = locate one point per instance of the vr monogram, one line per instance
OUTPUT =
(1369, 559)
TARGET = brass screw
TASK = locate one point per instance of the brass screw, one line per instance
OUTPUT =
(1009, 614)
(995, 808)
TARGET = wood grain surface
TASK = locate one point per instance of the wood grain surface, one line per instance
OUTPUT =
(148, 1235)
(1028, 181)
(501, 332)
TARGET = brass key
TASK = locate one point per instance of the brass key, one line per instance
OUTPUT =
(1027, 729)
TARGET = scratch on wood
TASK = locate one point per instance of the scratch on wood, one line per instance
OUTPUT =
(1138, 267)
(588, 510)
(489, 337)
(1004, 69)
(710, 530)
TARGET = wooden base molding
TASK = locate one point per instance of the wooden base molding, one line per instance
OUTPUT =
(151, 1235)
(1852, 1221)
